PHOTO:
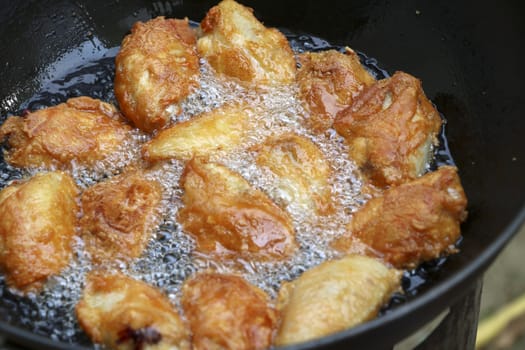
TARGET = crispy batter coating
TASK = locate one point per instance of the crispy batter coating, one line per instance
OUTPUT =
(83, 130)
(230, 218)
(303, 171)
(221, 129)
(226, 312)
(156, 68)
(37, 223)
(237, 45)
(413, 222)
(119, 216)
(123, 313)
(328, 82)
(334, 296)
(390, 128)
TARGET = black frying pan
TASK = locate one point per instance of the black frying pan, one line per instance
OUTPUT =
(468, 54)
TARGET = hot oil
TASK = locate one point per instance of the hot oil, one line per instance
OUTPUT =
(274, 111)
(171, 257)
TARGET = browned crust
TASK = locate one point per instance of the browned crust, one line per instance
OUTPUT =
(156, 68)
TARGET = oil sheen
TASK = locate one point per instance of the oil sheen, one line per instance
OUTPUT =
(170, 257)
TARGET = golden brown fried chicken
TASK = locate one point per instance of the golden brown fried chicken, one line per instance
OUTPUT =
(221, 129)
(303, 171)
(37, 223)
(328, 82)
(230, 218)
(226, 312)
(82, 130)
(156, 68)
(334, 296)
(237, 45)
(413, 222)
(123, 313)
(390, 128)
(119, 216)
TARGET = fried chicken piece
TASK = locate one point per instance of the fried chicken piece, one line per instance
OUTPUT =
(413, 222)
(334, 296)
(328, 82)
(230, 218)
(237, 45)
(221, 129)
(390, 128)
(37, 223)
(226, 312)
(82, 130)
(156, 68)
(123, 313)
(119, 216)
(303, 171)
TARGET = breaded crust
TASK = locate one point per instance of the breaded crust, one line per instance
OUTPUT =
(411, 223)
(303, 170)
(82, 130)
(390, 128)
(38, 218)
(119, 215)
(123, 313)
(156, 68)
(229, 218)
(328, 82)
(334, 296)
(221, 129)
(237, 45)
(226, 312)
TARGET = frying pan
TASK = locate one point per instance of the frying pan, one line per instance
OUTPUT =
(467, 53)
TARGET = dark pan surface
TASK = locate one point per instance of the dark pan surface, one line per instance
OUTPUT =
(468, 55)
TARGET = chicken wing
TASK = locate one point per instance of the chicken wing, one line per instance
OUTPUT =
(413, 222)
(237, 45)
(119, 216)
(334, 296)
(226, 312)
(82, 130)
(328, 82)
(229, 218)
(123, 313)
(303, 171)
(390, 128)
(221, 129)
(38, 218)
(156, 68)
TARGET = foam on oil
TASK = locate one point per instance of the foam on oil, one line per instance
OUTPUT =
(170, 257)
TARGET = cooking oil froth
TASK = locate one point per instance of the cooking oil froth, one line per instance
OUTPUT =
(170, 257)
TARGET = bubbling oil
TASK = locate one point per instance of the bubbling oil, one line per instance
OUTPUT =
(274, 111)
(170, 257)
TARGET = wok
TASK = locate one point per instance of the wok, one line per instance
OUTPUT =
(468, 55)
